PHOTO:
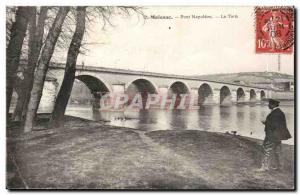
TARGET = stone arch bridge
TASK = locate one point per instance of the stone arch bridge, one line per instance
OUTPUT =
(106, 80)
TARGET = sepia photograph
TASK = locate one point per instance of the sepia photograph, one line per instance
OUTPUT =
(150, 97)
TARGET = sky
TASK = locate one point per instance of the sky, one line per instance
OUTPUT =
(182, 45)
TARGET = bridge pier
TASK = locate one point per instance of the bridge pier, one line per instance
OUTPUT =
(162, 90)
(163, 93)
(247, 96)
(194, 97)
(96, 101)
(233, 96)
(216, 96)
(258, 96)
(118, 88)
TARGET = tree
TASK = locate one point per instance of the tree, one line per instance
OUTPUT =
(42, 67)
(70, 69)
(36, 33)
(13, 50)
(63, 96)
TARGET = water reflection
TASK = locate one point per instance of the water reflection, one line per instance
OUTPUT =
(96, 114)
(244, 119)
(178, 119)
(240, 116)
(146, 120)
(225, 115)
(206, 114)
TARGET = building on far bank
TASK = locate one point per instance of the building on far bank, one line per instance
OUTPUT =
(284, 88)
(281, 84)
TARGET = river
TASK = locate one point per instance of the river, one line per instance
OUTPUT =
(244, 119)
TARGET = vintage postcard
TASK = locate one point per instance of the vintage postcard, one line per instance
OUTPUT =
(150, 97)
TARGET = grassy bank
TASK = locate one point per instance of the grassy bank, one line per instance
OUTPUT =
(85, 154)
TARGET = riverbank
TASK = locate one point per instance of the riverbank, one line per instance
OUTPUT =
(85, 154)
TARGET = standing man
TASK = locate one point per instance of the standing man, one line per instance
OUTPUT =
(276, 130)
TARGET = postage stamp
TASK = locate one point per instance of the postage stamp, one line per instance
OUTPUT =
(274, 29)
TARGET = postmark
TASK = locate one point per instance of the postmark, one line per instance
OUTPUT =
(274, 29)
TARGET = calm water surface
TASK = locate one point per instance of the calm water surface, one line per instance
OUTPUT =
(244, 119)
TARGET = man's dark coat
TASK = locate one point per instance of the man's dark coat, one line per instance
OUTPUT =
(275, 126)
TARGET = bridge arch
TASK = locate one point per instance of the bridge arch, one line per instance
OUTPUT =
(178, 87)
(225, 96)
(94, 84)
(97, 87)
(262, 94)
(240, 94)
(205, 93)
(142, 86)
(252, 95)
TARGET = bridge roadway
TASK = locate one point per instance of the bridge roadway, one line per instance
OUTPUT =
(108, 80)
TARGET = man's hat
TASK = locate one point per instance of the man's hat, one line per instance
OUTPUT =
(273, 101)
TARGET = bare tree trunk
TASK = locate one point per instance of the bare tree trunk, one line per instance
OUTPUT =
(36, 33)
(69, 76)
(42, 67)
(13, 50)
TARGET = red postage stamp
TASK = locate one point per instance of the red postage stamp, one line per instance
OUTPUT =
(274, 29)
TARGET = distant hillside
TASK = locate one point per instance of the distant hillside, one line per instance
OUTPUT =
(248, 77)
